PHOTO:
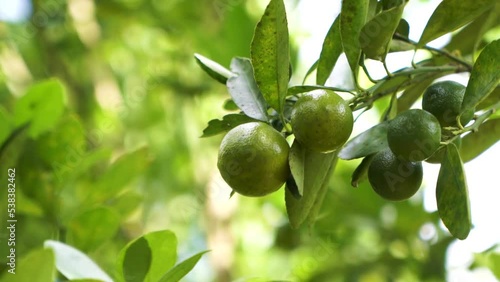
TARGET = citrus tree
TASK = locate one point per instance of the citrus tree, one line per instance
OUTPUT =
(318, 122)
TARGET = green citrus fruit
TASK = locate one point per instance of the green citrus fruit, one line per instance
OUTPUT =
(393, 178)
(414, 135)
(253, 159)
(321, 120)
(438, 156)
(444, 100)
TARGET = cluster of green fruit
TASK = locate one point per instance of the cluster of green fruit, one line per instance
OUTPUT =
(415, 135)
(253, 157)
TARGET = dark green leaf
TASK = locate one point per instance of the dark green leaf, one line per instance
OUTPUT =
(229, 105)
(41, 106)
(91, 228)
(360, 172)
(484, 77)
(74, 264)
(473, 32)
(148, 257)
(377, 33)
(271, 55)
(451, 15)
(366, 143)
(352, 19)
(227, 123)
(403, 28)
(452, 195)
(310, 172)
(400, 46)
(393, 110)
(392, 84)
(306, 88)
(244, 91)
(292, 187)
(475, 143)
(135, 261)
(330, 52)
(175, 274)
(213, 69)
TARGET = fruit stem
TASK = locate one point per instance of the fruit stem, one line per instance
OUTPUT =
(479, 120)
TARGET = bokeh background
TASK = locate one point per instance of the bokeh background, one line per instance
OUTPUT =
(134, 89)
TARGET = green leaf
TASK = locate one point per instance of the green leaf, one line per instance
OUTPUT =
(310, 171)
(271, 55)
(393, 110)
(361, 170)
(475, 143)
(229, 105)
(412, 93)
(120, 173)
(310, 70)
(330, 52)
(227, 123)
(213, 69)
(451, 15)
(403, 28)
(91, 228)
(126, 203)
(244, 90)
(352, 19)
(175, 274)
(36, 266)
(366, 143)
(452, 195)
(473, 32)
(74, 264)
(41, 106)
(377, 33)
(292, 187)
(392, 84)
(484, 77)
(5, 125)
(148, 257)
(490, 100)
(306, 88)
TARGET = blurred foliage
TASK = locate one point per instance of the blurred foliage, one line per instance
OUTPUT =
(123, 157)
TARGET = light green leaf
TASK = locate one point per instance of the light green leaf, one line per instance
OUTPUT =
(36, 266)
(452, 195)
(353, 16)
(41, 106)
(244, 90)
(475, 143)
(451, 15)
(484, 77)
(91, 228)
(310, 70)
(120, 173)
(377, 33)
(126, 203)
(175, 274)
(213, 69)
(74, 264)
(490, 100)
(271, 55)
(366, 143)
(310, 171)
(330, 52)
(227, 123)
(148, 257)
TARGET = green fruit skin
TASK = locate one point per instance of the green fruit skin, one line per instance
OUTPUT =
(322, 121)
(444, 100)
(393, 178)
(438, 156)
(253, 159)
(414, 135)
